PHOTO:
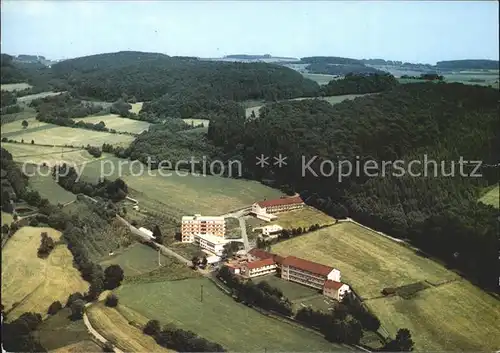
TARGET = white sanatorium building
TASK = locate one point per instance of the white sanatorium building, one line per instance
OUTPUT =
(264, 210)
(202, 225)
(211, 243)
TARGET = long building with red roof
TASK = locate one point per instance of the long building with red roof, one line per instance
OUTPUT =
(307, 272)
(265, 209)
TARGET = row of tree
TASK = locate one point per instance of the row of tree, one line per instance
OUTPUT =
(179, 340)
(359, 84)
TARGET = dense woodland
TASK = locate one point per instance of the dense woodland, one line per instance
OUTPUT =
(359, 84)
(468, 64)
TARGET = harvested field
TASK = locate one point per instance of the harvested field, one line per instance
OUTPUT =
(118, 123)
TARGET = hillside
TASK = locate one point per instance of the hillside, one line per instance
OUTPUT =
(148, 76)
(468, 64)
(442, 121)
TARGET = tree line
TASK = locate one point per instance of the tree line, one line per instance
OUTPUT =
(359, 84)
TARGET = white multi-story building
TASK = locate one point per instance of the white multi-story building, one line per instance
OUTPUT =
(271, 231)
(198, 224)
(307, 272)
(212, 243)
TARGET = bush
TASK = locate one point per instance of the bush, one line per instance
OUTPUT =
(34, 222)
(111, 300)
(389, 291)
(107, 347)
(152, 328)
(54, 308)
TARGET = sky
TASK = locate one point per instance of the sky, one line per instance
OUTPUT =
(420, 31)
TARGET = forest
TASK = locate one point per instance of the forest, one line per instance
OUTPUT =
(359, 84)
(468, 64)
(149, 76)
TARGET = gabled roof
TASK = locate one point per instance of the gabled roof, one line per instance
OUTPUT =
(278, 202)
(333, 285)
(306, 265)
(261, 254)
(260, 263)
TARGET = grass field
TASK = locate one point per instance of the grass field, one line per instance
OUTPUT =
(136, 259)
(303, 218)
(116, 329)
(15, 127)
(197, 122)
(321, 79)
(47, 187)
(491, 197)
(7, 218)
(136, 107)
(369, 262)
(59, 334)
(60, 135)
(219, 318)
(29, 98)
(32, 282)
(25, 152)
(181, 194)
(452, 317)
(14, 86)
(291, 290)
(118, 123)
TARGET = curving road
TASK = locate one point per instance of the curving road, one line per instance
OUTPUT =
(94, 333)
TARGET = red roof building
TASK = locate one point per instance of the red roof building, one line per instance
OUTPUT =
(260, 254)
(281, 202)
(335, 290)
(308, 266)
(333, 285)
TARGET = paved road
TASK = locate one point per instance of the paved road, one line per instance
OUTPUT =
(94, 333)
(239, 214)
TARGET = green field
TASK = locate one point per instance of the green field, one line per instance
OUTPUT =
(491, 197)
(118, 123)
(292, 291)
(29, 98)
(14, 86)
(59, 334)
(321, 79)
(15, 127)
(139, 259)
(369, 262)
(7, 218)
(304, 218)
(136, 107)
(218, 318)
(28, 153)
(452, 317)
(181, 194)
(47, 187)
(62, 136)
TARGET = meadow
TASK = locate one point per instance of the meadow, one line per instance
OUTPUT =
(321, 79)
(29, 98)
(14, 86)
(491, 197)
(14, 128)
(136, 107)
(181, 194)
(47, 187)
(304, 218)
(369, 262)
(7, 218)
(116, 328)
(135, 260)
(59, 334)
(66, 136)
(118, 123)
(32, 284)
(292, 291)
(455, 316)
(218, 318)
(35, 154)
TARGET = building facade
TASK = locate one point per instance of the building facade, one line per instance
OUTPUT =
(307, 272)
(258, 268)
(335, 290)
(264, 210)
(198, 224)
(211, 243)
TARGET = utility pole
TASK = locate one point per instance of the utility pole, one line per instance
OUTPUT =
(201, 292)
(159, 260)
